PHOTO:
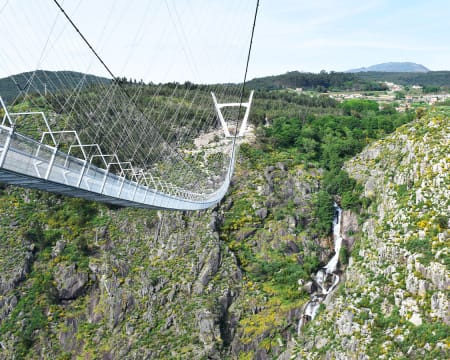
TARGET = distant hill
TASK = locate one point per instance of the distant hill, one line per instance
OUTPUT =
(393, 67)
(53, 81)
(323, 81)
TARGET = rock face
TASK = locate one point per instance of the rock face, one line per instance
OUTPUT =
(393, 303)
(349, 227)
(70, 283)
(209, 270)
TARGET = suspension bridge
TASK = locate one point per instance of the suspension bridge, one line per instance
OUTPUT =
(114, 140)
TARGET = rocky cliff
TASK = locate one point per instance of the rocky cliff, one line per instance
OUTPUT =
(394, 301)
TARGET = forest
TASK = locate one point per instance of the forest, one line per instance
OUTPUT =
(321, 82)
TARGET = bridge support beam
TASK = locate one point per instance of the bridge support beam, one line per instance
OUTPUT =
(6, 147)
(6, 116)
(135, 190)
(104, 179)
(247, 113)
(145, 195)
(121, 186)
(50, 164)
(220, 115)
(83, 169)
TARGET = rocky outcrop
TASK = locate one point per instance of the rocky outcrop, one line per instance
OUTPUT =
(209, 269)
(70, 282)
(16, 263)
(16, 271)
(350, 228)
(207, 327)
(268, 228)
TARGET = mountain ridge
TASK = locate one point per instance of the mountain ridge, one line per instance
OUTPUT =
(392, 67)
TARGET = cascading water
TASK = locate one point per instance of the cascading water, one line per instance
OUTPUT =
(337, 237)
(326, 279)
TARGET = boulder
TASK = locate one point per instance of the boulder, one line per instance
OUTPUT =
(58, 248)
(262, 213)
(440, 307)
(309, 287)
(207, 329)
(291, 248)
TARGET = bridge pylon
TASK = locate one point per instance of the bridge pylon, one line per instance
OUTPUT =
(222, 120)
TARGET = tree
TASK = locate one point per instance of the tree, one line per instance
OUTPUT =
(399, 95)
(358, 106)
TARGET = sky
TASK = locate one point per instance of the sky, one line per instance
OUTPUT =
(206, 41)
(345, 34)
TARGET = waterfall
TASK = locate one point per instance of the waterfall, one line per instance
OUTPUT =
(337, 237)
(326, 278)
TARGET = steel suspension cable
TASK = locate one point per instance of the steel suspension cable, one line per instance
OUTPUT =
(246, 67)
(101, 61)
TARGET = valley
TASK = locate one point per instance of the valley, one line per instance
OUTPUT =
(82, 279)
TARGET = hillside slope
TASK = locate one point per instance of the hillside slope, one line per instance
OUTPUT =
(394, 302)
(40, 81)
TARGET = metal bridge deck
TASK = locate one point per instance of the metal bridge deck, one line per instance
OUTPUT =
(28, 163)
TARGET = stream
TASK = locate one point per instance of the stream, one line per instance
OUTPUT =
(326, 279)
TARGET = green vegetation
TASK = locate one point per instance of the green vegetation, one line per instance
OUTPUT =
(42, 220)
(329, 140)
(362, 81)
(319, 141)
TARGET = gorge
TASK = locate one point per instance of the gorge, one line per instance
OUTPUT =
(81, 279)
